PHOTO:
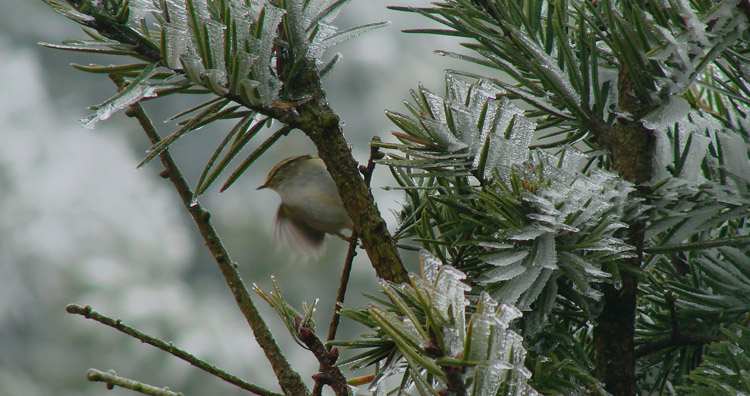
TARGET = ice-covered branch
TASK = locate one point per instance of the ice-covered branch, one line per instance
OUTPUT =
(289, 379)
(422, 330)
(210, 51)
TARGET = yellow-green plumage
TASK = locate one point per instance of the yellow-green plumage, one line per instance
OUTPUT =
(310, 205)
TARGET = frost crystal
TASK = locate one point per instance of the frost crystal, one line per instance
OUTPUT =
(542, 202)
(430, 266)
(176, 32)
(550, 65)
(216, 33)
(683, 53)
(139, 8)
(493, 356)
(269, 84)
(138, 89)
(502, 259)
(316, 48)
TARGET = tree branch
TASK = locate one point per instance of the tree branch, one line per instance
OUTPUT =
(112, 380)
(316, 119)
(289, 380)
(675, 341)
(367, 171)
(88, 313)
(322, 126)
(677, 338)
(631, 146)
(329, 374)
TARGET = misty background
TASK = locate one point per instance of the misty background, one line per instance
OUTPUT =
(80, 224)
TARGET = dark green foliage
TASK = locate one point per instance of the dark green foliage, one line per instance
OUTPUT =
(248, 58)
(588, 69)
(521, 223)
(423, 329)
(726, 367)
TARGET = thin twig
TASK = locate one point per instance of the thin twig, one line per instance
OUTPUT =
(367, 171)
(117, 324)
(341, 294)
(669, 341)
(671, 300)
(335, 317)
(112, 380)
(676, 338)
(289, 380)
(329, 374)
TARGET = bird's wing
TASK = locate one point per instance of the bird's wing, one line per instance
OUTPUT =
(305, 240)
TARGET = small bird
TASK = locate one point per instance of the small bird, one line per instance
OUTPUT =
(310, 204)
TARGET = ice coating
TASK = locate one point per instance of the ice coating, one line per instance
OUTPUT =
(501, 274)
(347, 34)
(176, 32)
(458, 89)
(430, 265)
(297, 26)
(507, 135)
(735, 151)
(269, 86)
(216, 32)
(492, 354)
(436, 104)
(685, 52)
(451, 289)
(549, 64)
(546, 254)
(314, 9)
(243, 66)
(505, 258)
(139, 8)
(486, 304)
(441, 133)
(535, 290)
(512, 289)
(138, 89)
(316, 48)
(403, 325)
(480, 327)
(193, 66)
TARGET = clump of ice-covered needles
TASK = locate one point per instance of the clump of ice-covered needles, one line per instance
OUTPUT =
(422, 333)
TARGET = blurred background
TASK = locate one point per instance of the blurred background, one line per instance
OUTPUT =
(79, 224)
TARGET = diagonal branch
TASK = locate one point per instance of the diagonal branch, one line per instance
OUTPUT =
(316, 120)
(290, 381)
(88, 313)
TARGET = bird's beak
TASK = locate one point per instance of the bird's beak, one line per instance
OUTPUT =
(262, 187)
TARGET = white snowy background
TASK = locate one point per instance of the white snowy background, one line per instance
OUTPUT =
(79, 224)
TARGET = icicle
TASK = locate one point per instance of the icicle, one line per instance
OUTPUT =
(430, 265)
(138, 89)
(176, 32)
